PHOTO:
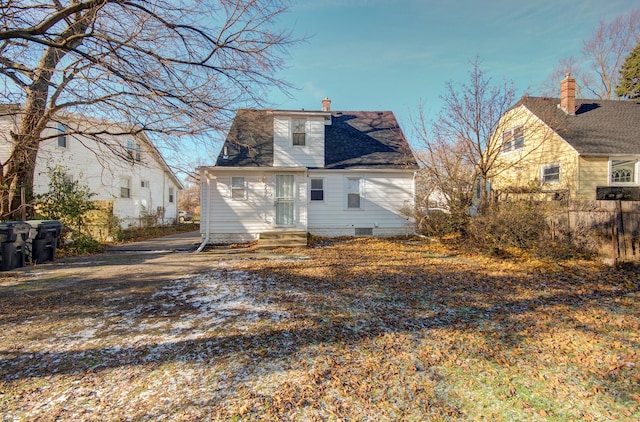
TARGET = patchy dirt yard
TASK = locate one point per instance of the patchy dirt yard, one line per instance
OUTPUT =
(359, 329)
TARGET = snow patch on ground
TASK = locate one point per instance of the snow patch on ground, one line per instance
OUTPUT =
(188, 308)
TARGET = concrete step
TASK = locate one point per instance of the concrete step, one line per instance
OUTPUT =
(282, 239)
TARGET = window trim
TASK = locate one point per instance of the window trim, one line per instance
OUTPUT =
(544, 167)
(360, 193)
(237, 188)
(171, 194)
(293, 132)
(133, 150)
(125, 184)
(64, 138)
(635, 177)
(515, 144)
(311, 189)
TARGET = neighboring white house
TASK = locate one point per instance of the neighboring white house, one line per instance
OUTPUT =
(124, 169)
(329, 173)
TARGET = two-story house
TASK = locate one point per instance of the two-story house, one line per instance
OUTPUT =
(569, 147)
(329, 173)
(123, 170)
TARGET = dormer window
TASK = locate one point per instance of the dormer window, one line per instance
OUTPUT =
(299, 131)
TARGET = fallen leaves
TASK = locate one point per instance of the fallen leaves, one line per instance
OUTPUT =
(371, 329)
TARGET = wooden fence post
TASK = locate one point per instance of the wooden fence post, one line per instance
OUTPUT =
(619, 240)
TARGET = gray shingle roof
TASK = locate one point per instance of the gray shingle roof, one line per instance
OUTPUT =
(354, 139)
(605, 127)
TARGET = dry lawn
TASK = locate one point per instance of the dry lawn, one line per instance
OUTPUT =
(350, 329)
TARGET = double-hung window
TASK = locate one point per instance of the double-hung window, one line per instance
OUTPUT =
(171, 194)
(513, 139)
(62, 137)
(550, 174)
(238, 190)
(133, 151)
(125, 187)
(623, 172)
(317, 189)
(354, 196)
(299, 131)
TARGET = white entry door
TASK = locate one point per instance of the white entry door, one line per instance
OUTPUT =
(284, 200)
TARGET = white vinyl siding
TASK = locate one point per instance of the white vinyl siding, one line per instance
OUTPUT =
(236, 221)
(285, 154)
(386, 195)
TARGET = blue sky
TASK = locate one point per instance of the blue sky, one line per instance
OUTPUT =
(394, 54)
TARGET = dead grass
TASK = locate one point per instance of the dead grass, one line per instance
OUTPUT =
(363, 329)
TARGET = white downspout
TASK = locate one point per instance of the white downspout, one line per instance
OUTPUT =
(207, 216)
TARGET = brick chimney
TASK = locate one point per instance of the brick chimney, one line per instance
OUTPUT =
(326, 104)
(568, 94)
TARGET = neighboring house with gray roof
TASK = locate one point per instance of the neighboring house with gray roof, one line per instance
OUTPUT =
(570, 146)
(330, 173)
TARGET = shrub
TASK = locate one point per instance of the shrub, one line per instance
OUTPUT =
(81, 244)
(517, 224)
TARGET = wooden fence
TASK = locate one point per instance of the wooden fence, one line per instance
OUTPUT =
(612, 227)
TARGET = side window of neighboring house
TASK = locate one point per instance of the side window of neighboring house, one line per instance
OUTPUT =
(623, 171)
(317, 190)
(550, 174)
(171, 195)
(354, 193)
(513, 139)
(299, 131)
(238, 190)
(133, 151)
(144, 184)
(62, 138)
(125, 187)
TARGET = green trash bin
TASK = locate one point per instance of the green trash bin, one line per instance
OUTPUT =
(13, 239)
(43, 240)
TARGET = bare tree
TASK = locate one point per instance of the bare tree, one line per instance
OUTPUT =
(164, 67)
(597, 71)
(463, 133)
(189, 199)
(446, 176)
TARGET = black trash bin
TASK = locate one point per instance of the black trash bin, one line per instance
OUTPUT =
(43, 240)
(13, 238)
